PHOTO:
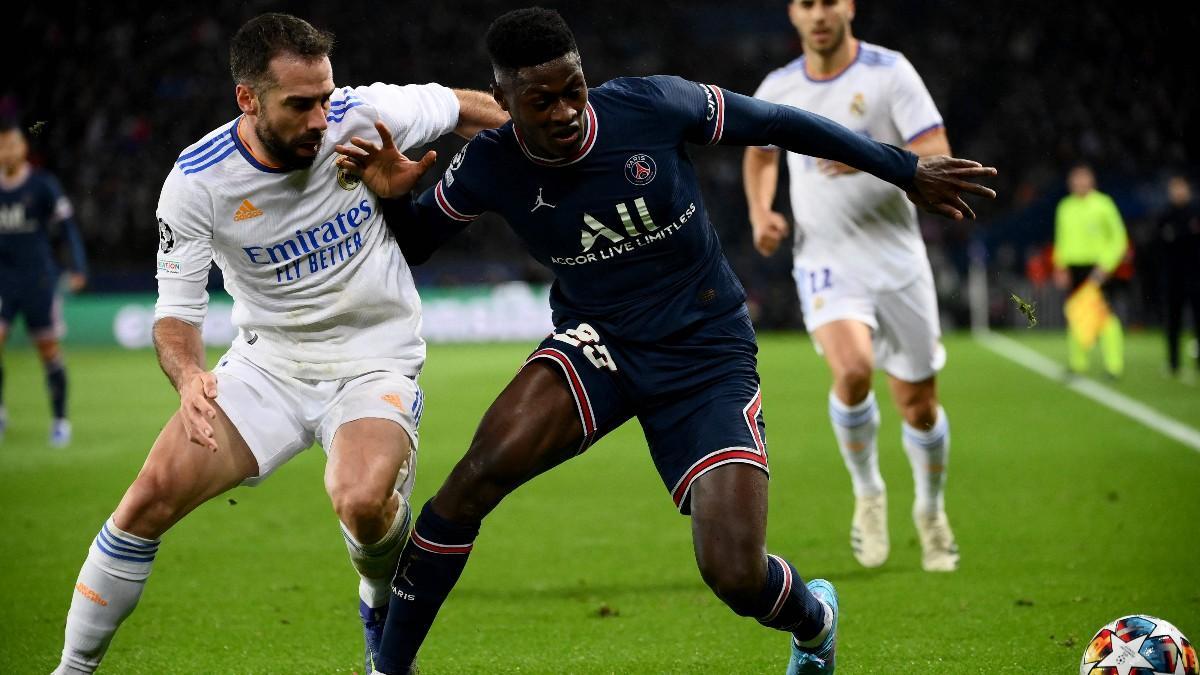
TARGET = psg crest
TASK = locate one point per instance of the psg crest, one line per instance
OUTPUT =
(640, 169)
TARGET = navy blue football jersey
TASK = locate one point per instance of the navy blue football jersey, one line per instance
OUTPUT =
(622, 223)
(34, 214)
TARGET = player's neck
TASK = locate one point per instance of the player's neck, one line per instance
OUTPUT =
(827, 66)
(14, 176)
(249, 138)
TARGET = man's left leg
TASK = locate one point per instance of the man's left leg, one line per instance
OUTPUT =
(367, 480)
(729, 523)
(926, 439)
(56, 384)
(1112, 344)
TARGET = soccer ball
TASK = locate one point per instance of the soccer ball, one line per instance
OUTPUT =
(1139, 645)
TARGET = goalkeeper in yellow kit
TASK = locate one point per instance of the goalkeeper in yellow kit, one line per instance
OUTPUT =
(1089, 243)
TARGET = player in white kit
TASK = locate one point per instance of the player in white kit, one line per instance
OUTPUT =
(329, 345)
(865, 284)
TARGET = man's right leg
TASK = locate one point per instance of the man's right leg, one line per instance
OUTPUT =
(846, 344)
(177, 477)
(532, 426)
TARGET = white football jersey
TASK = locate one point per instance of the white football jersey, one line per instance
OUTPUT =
(320, 289)
(866, 224)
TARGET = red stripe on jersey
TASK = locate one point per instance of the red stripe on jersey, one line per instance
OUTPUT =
(446, 549)
(719, 126)
(588, 142)
(450, 211)
(582, 402)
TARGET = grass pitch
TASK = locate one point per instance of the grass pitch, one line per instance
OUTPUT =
(1067, 514)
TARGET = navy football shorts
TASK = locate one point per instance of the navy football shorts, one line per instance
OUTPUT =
(33, 299)
(696, 394)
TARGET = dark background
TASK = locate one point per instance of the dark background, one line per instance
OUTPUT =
(1029, 87)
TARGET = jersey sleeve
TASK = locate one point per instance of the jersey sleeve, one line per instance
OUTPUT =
(421, 225)
(769, 90)
(696, 111)
(184, 249)
(460, 194)
(416, 114)
(62, 217)
(913, 110)
(1117, 240)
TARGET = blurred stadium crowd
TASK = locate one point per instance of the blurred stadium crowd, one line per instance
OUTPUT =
(113, 92)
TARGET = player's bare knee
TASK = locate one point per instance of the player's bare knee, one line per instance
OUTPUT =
(921, 414)
(853, 383)
(149, 507)
(361, 509)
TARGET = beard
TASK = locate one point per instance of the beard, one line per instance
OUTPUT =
(285, 152)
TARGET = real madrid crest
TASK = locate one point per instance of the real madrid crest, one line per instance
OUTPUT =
(347, 180)
(858, 106)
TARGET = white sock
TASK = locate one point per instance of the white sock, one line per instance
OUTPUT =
(857, 428)
(929, 453)
(376, 563)
(106, 592)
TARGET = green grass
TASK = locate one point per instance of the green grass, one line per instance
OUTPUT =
(1068, 515)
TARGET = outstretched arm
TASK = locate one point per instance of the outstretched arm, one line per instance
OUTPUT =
(477, 110)
(935, 184)
(419, 229)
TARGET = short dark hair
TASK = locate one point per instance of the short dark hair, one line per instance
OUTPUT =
(529, 37)
(268, 35)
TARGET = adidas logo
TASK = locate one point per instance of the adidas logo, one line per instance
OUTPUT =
(247, 211)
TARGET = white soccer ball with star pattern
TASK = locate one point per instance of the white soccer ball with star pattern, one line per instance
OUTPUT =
(1139, 645)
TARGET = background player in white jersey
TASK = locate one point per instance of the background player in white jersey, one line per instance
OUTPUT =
(328, 317)
(865, 284)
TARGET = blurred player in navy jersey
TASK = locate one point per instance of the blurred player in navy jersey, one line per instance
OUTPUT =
(650, 320)
(35, 216)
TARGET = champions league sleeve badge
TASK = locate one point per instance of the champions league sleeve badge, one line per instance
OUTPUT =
(166, 237)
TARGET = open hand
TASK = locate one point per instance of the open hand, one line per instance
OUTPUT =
(383, 169)
(941, 182)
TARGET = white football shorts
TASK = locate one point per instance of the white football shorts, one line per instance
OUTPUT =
(905, 328)
(281, 416)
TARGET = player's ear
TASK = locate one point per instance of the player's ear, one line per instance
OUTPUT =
(498, 96)
(246, 99)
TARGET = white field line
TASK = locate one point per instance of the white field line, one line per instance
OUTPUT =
(1105, 396)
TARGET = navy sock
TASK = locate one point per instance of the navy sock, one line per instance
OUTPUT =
(787, 604)
(429, 566)
(56, 382)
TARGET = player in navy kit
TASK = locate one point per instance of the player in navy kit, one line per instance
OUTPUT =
(34, 215)
(650, 320)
